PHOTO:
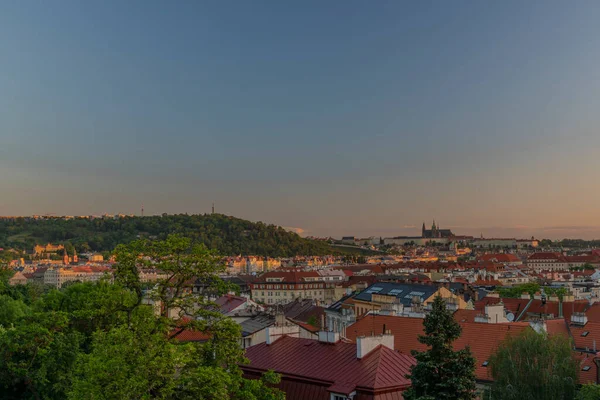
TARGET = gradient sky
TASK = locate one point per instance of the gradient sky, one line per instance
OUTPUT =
(336, 117)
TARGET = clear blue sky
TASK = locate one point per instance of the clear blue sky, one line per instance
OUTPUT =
(338, 117)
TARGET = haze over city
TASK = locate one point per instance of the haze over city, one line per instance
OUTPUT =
(331, 118)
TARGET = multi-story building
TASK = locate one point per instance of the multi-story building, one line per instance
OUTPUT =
(547, 260)
(281, 287)
(407, 297)
(152, 275)
(57, 277)
(38, 250)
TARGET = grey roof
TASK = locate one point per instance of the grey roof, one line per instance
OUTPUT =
(256, 324)
(338, 304)
(403, 291)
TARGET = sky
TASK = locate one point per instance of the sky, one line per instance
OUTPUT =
(330, 118)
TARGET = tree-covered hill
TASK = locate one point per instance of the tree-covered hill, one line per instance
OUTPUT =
(228, 235)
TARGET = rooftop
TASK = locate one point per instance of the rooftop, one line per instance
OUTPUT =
(335, 364)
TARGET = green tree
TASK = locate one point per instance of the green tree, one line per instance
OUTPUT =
(441, 372)
(11, 310)
(516, 291)
(589, 392)
(140, 359)
(534, 366)
(588, 266)
(103, 341)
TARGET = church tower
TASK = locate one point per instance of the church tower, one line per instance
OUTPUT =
(66, 258)
(75, 259)
(423, 230)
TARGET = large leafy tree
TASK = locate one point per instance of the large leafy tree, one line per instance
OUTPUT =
(534, 366)
(104, 341)
(441, 372)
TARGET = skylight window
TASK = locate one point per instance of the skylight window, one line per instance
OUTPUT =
(395, 292)
(485, 363)
(375, 289)
(586, 368)
(584, 334)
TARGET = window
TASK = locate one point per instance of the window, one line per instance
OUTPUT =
(374, 289)
(584, 334)
(586, 368)
(485, 363)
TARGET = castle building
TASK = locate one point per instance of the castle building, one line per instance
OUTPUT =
(435, 232)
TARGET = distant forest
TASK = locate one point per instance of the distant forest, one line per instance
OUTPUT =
(228, 235)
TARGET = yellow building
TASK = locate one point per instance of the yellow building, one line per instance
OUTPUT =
(49, 248)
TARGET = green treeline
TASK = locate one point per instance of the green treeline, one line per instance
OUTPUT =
(225, 234)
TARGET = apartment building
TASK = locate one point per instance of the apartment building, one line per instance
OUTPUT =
(281, 287)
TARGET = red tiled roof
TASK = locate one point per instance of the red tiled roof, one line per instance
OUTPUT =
(335, 364)
(591, 340)
(516, 306)
(185, 335)
(304, 325)
(465, 315)
(583, 259)
(557, 327)
(593, 312)
(181, 334)
(585, 361)
(546, 256)
(230, 302)
(483, 339)
(372, 268)
(290, 276)
(353, 280)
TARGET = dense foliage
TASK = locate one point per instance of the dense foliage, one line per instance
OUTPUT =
(531, 289)
(589, 392)
(225, 234)
(441, 372)
(516, 291)
(534, 366)
(115, 341)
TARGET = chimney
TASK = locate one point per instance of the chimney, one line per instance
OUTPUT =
(579, 318)
(280, 319)
(329, 337)
(539, 326)
(366, 344)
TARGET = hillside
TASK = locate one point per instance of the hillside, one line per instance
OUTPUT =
(228, 235)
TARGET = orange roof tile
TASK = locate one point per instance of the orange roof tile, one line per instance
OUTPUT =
(483, 339)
